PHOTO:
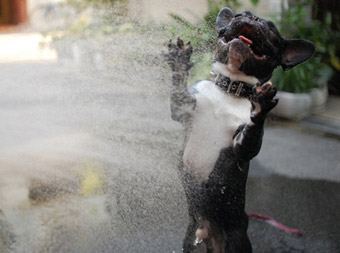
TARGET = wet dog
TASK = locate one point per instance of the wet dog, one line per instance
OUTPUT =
(224, 121)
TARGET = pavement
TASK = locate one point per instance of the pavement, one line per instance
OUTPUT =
(88, 159)
(328, 120)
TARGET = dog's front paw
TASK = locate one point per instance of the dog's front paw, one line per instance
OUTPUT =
(264, 96)
(178, 56)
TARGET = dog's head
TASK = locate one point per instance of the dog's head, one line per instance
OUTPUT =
(253, 46)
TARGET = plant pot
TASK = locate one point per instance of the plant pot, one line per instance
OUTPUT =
(64, 51)
(319, 98)
(293, 106)
(88, 54)
(297, 106)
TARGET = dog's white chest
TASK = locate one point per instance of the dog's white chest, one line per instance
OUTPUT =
(215, 120)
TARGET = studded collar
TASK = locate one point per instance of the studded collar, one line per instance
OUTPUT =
(238, 88)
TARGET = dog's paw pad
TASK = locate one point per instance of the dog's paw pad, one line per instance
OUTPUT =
(266, 90)
(264, 96)
(178, 56)
(186, 48)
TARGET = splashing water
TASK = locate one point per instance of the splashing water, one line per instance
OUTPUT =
(88, 147)
(88, 150)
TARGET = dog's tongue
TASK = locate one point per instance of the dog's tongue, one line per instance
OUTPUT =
(245, 40)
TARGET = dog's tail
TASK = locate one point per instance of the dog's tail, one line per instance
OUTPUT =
(275, 223)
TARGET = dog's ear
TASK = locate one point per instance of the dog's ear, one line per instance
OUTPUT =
(224, 17)
(295, 52)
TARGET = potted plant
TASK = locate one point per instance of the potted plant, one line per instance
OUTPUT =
(303, 89)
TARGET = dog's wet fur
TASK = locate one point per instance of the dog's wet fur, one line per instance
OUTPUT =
(224, 131)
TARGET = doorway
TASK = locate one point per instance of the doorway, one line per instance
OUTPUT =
(4, 12)
(13, 12)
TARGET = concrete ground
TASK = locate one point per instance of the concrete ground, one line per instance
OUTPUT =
(88, 160)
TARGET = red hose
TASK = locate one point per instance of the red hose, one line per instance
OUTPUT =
(275, 223)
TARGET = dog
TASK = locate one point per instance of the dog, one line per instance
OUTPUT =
(224, 121)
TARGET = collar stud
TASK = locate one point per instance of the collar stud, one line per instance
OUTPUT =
(238, 88)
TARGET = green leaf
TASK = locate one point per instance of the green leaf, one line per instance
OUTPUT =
(254, 2)
(328, 18)
(181, 20)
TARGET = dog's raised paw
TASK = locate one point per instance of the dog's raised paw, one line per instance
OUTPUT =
(264, 96)
(178, 56)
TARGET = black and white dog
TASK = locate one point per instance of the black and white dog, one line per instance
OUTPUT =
(224, 122)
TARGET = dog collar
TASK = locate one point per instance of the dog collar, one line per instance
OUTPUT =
(238, 88)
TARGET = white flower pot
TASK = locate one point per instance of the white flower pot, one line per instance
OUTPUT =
(319, 98)
(293, 106)
(296, 106)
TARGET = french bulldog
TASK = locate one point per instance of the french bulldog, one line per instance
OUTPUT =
(223, 121)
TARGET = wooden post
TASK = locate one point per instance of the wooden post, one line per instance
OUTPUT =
(18, 11)
(4, 12)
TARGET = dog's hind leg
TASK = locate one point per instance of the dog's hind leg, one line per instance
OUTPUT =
(238, 242)
(190, 236)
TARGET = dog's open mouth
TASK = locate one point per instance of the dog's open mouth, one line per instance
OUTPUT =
(245, 45)
(254, 50)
